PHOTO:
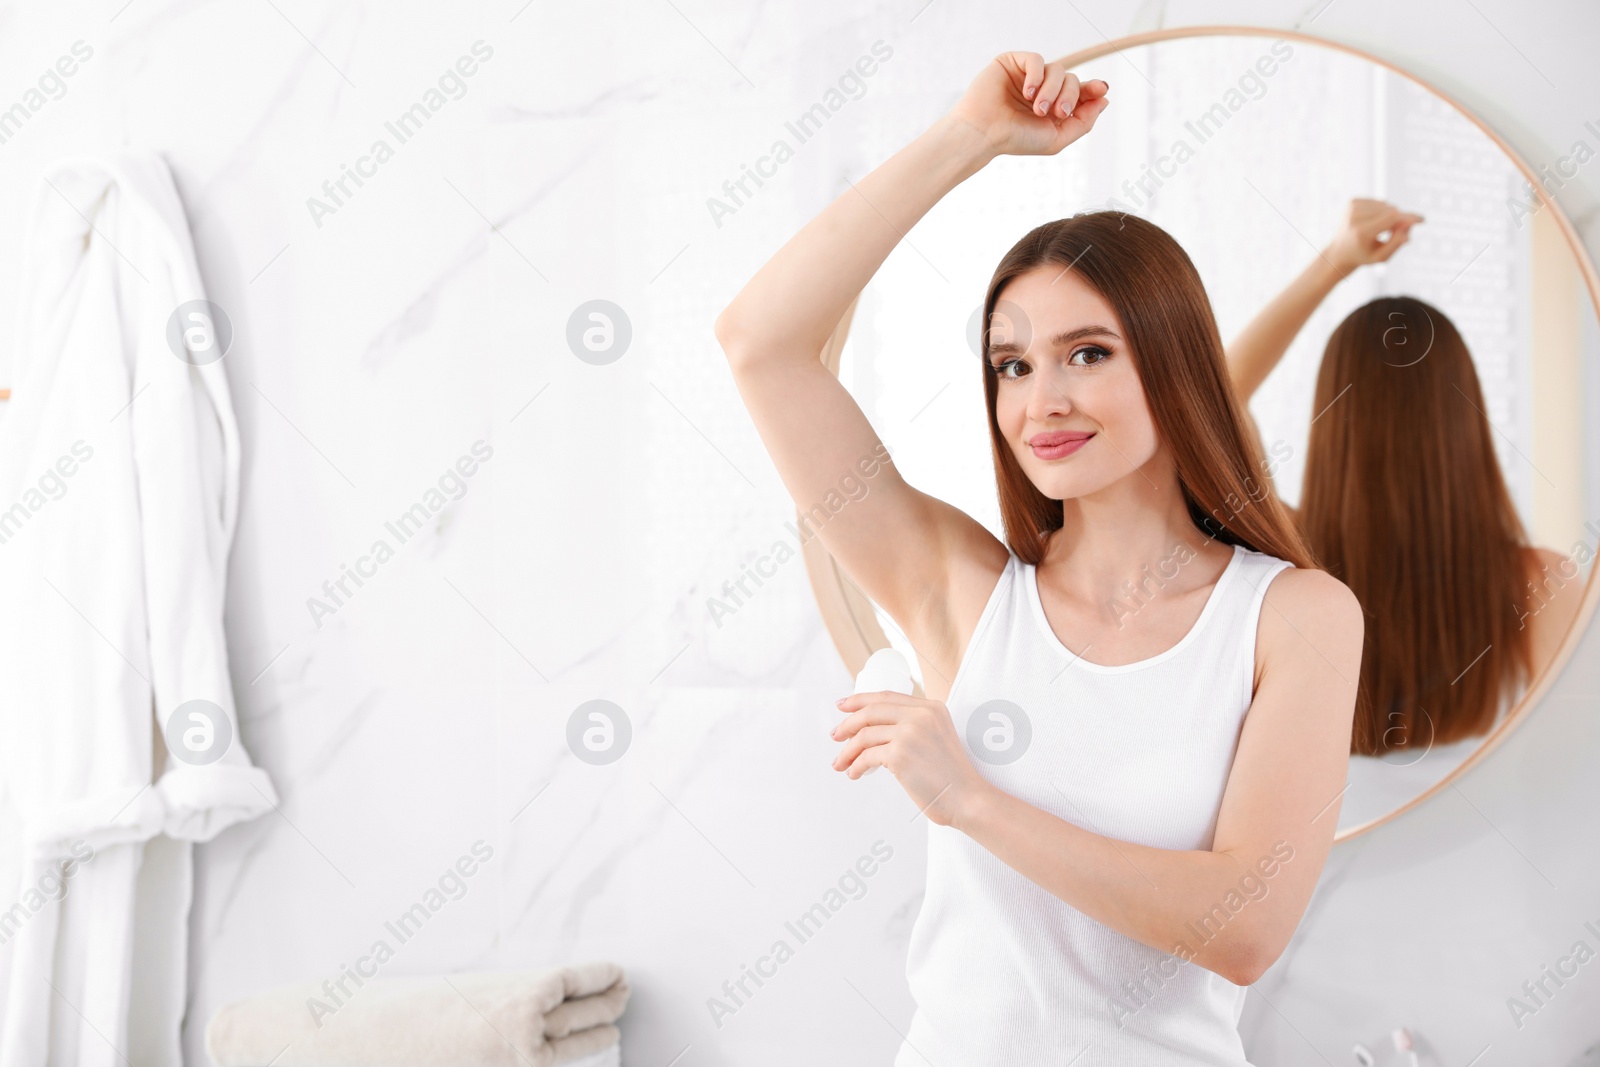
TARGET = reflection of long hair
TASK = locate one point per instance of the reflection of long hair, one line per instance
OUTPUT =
(1403, 500)
(1166, 319)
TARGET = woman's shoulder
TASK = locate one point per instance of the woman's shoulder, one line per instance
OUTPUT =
(1309, 632)
(1537, 560)
(1552, 581)
(1306, 607)
(1549, 604)
(1311, 588)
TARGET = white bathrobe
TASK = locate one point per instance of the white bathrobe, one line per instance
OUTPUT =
(119, 477)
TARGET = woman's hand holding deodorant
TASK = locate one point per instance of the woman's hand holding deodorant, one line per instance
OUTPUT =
(914, 737)
(886, 670)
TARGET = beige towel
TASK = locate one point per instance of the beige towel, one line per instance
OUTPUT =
(523, 1019)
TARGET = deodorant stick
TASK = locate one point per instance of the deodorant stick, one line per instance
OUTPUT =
(885, 669)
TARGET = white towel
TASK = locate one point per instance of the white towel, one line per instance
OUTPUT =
(119, 475)
(531, 1019)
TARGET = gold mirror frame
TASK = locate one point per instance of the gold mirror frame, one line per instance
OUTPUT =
(848, 613)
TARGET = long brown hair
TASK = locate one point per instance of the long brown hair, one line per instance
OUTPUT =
(1166, 316)
(1404, 502)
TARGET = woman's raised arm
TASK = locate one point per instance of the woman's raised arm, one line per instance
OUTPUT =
(891, 538)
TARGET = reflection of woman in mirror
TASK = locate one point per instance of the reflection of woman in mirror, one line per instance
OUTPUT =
(1138, 705)
(1404, 500)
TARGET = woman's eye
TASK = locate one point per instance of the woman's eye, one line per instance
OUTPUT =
(1006, 364)
(1100, 356)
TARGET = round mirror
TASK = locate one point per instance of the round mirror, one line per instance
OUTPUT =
(1256, 151)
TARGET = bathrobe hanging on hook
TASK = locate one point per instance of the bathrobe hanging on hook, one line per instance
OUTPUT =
(119, 475)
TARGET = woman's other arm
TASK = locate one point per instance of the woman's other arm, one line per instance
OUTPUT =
(1231, 908)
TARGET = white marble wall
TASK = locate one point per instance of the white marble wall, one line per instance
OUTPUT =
(430, 312)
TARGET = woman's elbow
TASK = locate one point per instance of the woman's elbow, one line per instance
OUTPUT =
(725, 333)
(733, 340)
(1247, 961)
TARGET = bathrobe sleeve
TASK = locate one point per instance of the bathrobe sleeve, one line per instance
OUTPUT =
(186, 457)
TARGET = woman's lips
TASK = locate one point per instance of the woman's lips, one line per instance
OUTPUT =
(1058, 445)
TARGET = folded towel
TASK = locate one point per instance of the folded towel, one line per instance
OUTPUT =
(524, 1019)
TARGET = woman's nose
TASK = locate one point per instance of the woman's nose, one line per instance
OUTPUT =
(1048, 396)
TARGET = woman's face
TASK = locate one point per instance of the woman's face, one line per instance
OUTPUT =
(1069, 401)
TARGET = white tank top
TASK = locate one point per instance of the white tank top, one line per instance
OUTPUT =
(1004, 972)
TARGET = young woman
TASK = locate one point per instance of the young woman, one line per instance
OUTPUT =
(1404, 500)
(1138, 706)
